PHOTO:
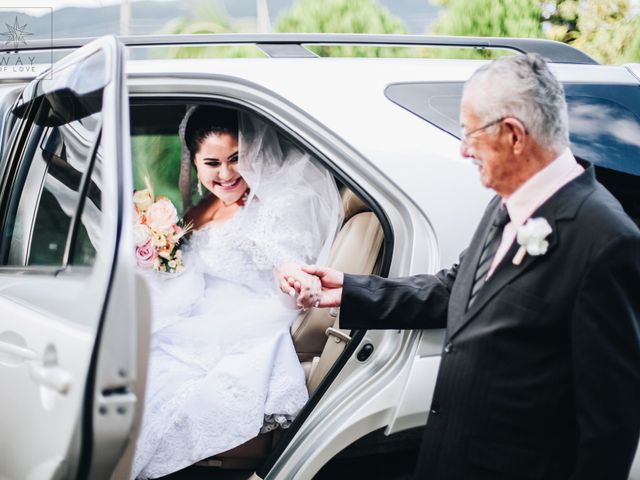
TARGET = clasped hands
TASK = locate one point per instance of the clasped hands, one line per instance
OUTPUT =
(311, 285)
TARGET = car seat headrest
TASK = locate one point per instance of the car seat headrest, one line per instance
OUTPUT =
(352, 204)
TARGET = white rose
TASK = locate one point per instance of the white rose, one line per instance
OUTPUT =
(142, 199)
(162, 215)
(532, 236)
(141, 234)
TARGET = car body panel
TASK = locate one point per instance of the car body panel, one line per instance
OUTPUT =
(634, 68)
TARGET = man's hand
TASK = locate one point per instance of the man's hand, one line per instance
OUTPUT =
(331, 293)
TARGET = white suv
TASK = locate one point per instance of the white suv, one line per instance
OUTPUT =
(74, 313)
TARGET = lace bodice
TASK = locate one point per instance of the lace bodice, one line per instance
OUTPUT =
(245, 248)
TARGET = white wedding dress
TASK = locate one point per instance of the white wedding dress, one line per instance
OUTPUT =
(222, 364)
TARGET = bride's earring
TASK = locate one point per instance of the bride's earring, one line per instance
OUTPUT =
(199, 187)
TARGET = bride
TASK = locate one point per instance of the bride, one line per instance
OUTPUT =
(222, 365)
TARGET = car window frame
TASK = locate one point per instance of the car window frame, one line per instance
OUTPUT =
(12, 164)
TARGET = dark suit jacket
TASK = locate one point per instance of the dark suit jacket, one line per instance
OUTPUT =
(540, 379)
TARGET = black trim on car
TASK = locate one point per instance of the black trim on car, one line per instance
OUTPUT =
(83, 192)
(552, 50)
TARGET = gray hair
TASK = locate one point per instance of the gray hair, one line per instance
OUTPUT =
(522, 86)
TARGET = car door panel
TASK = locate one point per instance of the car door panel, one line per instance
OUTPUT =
(67, 306)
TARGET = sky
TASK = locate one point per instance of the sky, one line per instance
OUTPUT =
(57, 4)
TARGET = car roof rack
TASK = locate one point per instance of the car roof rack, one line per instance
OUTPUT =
(290, 45)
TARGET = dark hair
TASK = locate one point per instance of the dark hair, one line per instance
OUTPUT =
(207, 120)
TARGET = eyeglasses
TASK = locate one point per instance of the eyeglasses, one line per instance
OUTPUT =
(467, 136)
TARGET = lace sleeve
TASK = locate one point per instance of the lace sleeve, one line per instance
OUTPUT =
(278, 236)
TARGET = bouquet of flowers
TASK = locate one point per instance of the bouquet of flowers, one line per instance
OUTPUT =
(158, 232)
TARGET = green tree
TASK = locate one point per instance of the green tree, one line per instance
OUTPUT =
(633, 52)
(343, 16)
(207, 17)
(609, 31)
(487, 18)
(560, 19)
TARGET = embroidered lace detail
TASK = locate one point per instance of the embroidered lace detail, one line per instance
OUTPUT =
(246, 248)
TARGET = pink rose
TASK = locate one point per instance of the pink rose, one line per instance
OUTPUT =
(145, 255)
(162, 215)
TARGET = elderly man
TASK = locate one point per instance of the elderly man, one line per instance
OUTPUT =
(540, 373)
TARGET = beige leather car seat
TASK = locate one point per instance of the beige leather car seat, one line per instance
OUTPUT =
(355, 250)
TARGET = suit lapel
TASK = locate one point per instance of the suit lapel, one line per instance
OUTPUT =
(562, 206)
(506, 272)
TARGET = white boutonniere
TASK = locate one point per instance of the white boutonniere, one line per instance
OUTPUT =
(531, 238)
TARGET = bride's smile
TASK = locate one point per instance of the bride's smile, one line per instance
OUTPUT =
(217, 162)
(230, 185)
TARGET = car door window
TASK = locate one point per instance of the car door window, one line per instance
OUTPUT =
(9, 125)
(49, 223)
(86, 242)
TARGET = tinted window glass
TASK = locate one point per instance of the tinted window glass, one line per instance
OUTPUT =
(437, 103)
(47, 191)
(604, 121)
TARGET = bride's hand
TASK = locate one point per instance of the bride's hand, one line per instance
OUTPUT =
(294, 281)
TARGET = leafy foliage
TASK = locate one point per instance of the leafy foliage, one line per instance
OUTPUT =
(207, 18)
(158, 157)
(486, 18)
(343, 16)
(607, 30)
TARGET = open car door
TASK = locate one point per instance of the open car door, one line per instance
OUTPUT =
(68, 318)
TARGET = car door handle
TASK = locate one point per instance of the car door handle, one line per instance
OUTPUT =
(48, 375)
(51, 376)
(19, 353)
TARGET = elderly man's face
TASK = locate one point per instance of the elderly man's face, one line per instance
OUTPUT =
(490, 149)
